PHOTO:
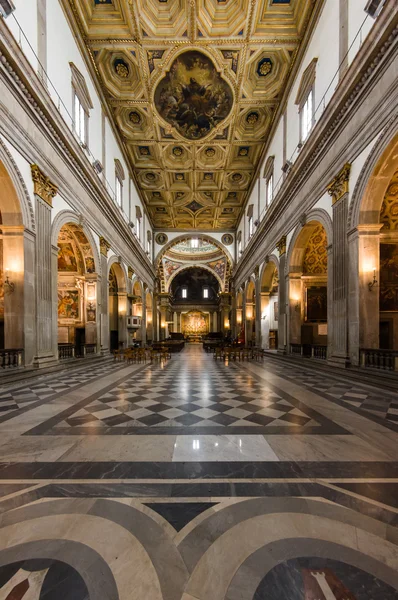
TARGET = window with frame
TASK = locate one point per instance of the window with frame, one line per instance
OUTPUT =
(80, 121)
(307, 116)
(138, 227)
(206, 293)
(81, 105)
(194, 243)
(118, 190)
(270, 189)
(184, 292)
(305, 100)
(251, 227)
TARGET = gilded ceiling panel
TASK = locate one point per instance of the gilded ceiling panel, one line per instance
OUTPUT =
(194, 86)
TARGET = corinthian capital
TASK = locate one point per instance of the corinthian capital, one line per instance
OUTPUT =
(339, 185)
(43, 187)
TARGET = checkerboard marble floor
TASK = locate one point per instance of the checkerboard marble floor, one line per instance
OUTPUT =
(49, 386)
(191, 392)
(381, 403)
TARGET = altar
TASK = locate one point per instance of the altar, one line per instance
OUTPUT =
(195, 324)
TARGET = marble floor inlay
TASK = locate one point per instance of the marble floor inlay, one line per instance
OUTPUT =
(198, 480)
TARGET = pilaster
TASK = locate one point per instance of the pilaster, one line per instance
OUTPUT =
(338, 281)
(283, 303)
(46, 271)
(104, 309)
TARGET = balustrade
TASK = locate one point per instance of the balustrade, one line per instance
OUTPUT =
(375, 358)
(11, 358)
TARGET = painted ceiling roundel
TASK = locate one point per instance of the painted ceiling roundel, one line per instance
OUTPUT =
(193, 97)
(194, 88)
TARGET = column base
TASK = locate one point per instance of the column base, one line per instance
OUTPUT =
(40, 362)
(282, 351)
(338, 361)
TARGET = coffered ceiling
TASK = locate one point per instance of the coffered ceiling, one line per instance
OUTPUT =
(193, 86)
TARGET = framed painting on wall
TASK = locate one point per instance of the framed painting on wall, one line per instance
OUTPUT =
(68, 304)
(316, 305)
(388, 277)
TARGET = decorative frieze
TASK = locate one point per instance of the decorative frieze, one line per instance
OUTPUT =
(43, 187)
(281, 245)
(104, 246)
(339, 185)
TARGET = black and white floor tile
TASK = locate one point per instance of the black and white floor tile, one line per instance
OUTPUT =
(198, 480)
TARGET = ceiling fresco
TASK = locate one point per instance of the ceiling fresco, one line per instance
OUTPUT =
(193, 86)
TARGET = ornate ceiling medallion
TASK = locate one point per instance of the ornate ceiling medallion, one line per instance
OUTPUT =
(161, 239)
(264, 67)
(193, 97)
(121, 68)
(252, 117)
(227, 239)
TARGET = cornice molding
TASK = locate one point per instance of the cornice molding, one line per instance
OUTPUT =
(370, 61)
(25, 84)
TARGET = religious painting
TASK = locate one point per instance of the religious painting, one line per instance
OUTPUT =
(91, 315)
(90, 265)
(219, 267)
(67, 258)
(193, 97)
(276, 311)
(195, 323)
(316, 305)
(68, 304)
(388, 277)
(169, 267)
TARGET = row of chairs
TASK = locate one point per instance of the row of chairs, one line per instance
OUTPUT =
(238, 353)
(141, 355)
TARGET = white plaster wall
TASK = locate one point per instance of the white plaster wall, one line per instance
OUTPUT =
(276, 150)
(358, 163)
(24, 168)
(325, 202)
(328, 62)
(26, 15)
(356, 18)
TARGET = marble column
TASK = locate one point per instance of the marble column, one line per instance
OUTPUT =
(122, 318)
(225, 307)
(46, 272)
(338, 271)
(369, 267)
(143, 319)
(283, 300)
(258, 311)
(104, 307)
(155, 320)
(29, 325)
(234, 332)
(13, 269)
(265, 319)
(296, 307)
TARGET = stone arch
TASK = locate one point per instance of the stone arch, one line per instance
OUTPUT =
(267, 270)
(302, 233)
(374, 178)
(184, 267)
(17, 193)
(182, 238)
(120, 272)
(67, 216)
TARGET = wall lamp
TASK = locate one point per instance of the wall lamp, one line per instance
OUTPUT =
(9, 286)
(371, 284)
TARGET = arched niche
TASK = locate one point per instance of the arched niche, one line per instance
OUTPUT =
(250, 312)
(269, 290)
(117, 305)
(308, 290)
(77, 291)
(17, 267)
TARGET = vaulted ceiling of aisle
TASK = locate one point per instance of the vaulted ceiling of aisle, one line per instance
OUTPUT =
(193, 86)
